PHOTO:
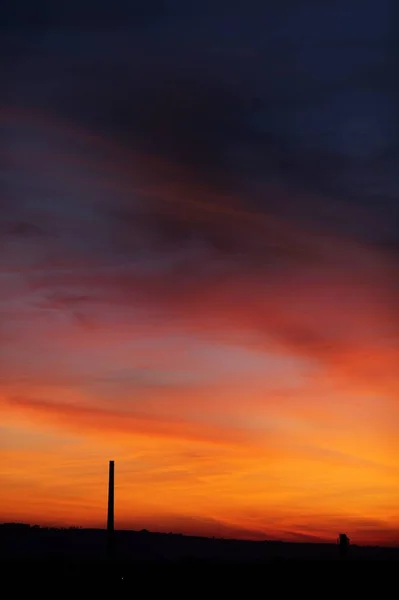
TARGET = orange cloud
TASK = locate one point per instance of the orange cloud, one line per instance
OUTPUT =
(128, 423)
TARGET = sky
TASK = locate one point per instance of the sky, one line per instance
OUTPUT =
(199, 267)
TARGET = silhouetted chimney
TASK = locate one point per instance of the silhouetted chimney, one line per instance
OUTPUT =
(110, 517)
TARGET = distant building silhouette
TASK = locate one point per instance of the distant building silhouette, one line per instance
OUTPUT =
(343, 543)
(110, 515)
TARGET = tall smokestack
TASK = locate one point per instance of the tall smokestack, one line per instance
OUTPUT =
(110, 517)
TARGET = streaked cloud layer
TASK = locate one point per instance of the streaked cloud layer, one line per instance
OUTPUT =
(199, 271)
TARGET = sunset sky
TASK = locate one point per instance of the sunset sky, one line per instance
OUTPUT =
(199, 267)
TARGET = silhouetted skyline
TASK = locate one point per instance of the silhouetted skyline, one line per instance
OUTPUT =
(42, 544)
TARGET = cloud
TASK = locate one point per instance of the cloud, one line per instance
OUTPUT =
(171, 195)
(208, 264)
(76, 417)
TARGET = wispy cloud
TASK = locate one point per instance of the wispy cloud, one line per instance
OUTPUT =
(198, 256)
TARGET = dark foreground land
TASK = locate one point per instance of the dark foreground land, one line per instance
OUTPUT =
(40, 555)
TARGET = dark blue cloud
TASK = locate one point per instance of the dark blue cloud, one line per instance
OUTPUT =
(298, 95)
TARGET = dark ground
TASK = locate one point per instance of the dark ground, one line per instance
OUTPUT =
(81, 552)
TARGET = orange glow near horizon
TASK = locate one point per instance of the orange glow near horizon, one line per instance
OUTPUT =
(237, 400)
